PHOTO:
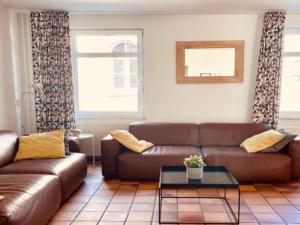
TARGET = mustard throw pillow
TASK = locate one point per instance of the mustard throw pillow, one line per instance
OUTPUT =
(262, 141)
(42, 145)
(1, 197)
(56, 133)
(130, 141)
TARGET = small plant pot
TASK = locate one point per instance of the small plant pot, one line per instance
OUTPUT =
(194, 173)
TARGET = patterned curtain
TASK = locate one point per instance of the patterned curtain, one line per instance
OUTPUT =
(267, 90)
(52, 67)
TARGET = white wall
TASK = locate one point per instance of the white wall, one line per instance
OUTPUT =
(7, 97)
(164, 99)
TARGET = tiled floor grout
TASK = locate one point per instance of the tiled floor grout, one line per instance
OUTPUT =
(86, 203)
(107, 204)
(256, 199)
(130, 205)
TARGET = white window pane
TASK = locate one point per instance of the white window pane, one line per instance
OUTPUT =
(133, 65)
(133, 73)
(290, 84)
(292, 43)
(119, 80)
(118, 65)
(106, 43)
(118, 68)
(133, 80)
(97, 86)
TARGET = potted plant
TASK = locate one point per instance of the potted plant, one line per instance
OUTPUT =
(194, 166)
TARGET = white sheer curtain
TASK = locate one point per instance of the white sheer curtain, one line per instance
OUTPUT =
(20, 36)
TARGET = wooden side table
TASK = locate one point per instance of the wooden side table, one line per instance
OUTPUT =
(82, 138)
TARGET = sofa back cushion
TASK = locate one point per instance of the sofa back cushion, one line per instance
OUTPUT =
(8, 146)
(174, 134)
(228, 134)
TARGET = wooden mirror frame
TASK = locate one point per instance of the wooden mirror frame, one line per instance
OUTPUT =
(238, 67)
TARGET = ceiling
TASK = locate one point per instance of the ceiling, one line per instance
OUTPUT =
(159, 6)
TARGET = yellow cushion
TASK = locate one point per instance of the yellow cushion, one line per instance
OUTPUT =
(1, 197)
(56, 133)
(262, 141)
(130, 141)
(42, 145)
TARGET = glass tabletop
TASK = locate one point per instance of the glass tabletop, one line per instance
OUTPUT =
(213, 176)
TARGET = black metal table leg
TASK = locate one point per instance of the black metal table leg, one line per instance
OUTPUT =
(159, 205)
(236, 217)
(239, 206)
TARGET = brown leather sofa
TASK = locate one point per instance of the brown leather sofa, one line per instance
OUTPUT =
(218, 143)
(35, 189)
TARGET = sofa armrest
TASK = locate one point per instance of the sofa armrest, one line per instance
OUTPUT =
(110, 149)
(74, 145)
(294, 152)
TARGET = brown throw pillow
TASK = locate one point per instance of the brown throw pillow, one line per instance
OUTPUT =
(281, 144)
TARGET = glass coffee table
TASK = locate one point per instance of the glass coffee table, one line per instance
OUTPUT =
(216, 177)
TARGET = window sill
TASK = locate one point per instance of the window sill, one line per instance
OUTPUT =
(289, 115)
(289, 118)
(108, 120)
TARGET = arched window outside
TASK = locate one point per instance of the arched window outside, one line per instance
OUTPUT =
(124, 47)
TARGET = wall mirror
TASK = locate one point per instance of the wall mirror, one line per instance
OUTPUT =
(209, 61)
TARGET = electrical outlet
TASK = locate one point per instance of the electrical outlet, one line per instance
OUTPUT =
(18, 102)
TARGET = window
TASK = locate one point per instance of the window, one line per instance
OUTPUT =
(107, 67)
(290, 82)
(123, 67)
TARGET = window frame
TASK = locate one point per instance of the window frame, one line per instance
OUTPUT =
(291, 115)
(140, 76)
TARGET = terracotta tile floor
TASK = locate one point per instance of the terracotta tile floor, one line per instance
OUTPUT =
(112, 202)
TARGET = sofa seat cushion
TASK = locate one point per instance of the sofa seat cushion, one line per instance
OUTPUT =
(146, 166)
(250, 167)
(29, 199)
(71, 170)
